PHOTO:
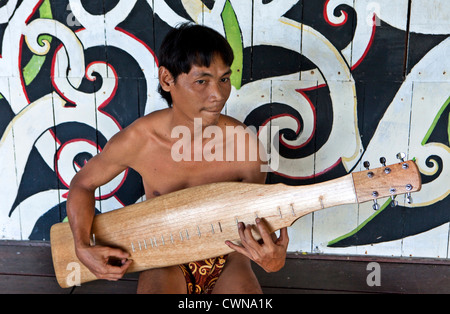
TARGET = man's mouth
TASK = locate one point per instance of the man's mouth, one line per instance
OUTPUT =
(213, 110)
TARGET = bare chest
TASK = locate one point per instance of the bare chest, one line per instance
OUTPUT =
(161, 174)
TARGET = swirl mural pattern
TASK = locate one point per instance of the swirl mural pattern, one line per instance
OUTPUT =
(345, 81)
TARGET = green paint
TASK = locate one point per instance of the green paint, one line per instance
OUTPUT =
(31, 70)
(448, 129)
(233, 34)
(351, 233)
(436, 119)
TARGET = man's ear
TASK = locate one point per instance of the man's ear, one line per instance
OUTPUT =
(166, 79)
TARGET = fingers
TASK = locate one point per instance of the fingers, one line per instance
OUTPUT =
(247, 241)
(118, 253)
(284, 237)
(270, 254)
(237, 248)
(246, 235)
(270, 238)
(116, 263)
(116, 272)
(105, 262)
(263, 231)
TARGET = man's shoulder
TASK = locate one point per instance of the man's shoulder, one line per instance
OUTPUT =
(247, 149)
(241, 136)
(141, 128)
(226, 120)
(155, 117)
(233, 126)
(148, 123)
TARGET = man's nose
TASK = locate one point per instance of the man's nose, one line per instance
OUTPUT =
(218, 92)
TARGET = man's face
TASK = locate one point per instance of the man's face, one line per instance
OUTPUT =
(203, 92)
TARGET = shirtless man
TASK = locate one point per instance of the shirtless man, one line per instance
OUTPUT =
(194, 77)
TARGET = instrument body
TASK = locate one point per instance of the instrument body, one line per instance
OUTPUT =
(193, 224)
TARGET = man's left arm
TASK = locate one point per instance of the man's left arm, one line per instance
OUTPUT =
(270, 251)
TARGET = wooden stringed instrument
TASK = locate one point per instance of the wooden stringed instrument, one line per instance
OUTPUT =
(194, 223)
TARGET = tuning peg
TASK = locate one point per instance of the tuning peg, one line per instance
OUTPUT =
(409, 199)
(393, 201)
(375, 205)
(401, 156)
(366, 165)
(387, 170)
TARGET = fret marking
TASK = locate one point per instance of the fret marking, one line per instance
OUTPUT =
(293, 211)
(279, 212)
(198, 232)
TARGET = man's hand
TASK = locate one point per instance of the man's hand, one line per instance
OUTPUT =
(104, 262)
(270, 254)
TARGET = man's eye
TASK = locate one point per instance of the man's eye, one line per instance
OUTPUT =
(201, 82)
(225, 79)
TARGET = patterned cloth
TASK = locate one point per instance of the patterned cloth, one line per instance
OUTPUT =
(201, 276)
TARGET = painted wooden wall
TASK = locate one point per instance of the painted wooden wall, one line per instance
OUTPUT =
(344, 80)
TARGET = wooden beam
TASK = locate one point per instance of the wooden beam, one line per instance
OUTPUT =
(26, 267)
(327, 273)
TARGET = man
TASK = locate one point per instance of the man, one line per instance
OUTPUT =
(194, 77)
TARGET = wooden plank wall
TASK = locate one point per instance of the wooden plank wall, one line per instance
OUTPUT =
(343, 81)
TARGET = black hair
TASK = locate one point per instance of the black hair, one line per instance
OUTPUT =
(191, 44)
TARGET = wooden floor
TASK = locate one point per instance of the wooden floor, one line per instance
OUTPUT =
(26, 268)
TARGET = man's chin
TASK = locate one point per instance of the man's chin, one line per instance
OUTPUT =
(210, 118)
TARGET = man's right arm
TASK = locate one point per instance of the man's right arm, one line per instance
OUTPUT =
(81, 209)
